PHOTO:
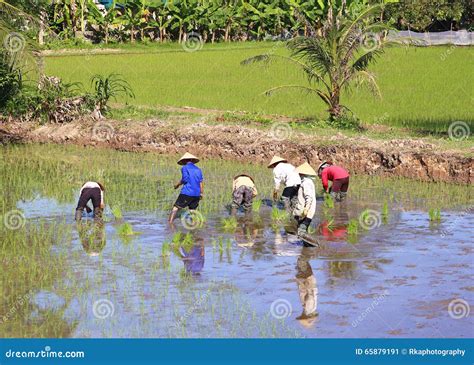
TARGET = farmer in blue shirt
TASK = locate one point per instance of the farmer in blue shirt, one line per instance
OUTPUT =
(191, 180)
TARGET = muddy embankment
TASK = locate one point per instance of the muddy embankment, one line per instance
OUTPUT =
(413, 159)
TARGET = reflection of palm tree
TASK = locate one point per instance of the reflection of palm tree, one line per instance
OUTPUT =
(307, 287)
(92, 237)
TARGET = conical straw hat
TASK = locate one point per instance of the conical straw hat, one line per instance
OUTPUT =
(275, 160)
(306, 169)
(187, 156)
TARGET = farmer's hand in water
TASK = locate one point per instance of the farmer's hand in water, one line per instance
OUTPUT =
(275, 195)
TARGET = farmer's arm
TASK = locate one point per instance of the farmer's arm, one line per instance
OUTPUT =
(201, 186)
(102, 204)
(184, 174)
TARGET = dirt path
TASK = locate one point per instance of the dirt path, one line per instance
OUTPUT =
(407, 158)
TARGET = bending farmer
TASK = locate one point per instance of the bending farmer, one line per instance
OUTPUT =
(285, 173)
(243, 192)
(191, 180)
(306, 202)
(339, 177)
(91, 191)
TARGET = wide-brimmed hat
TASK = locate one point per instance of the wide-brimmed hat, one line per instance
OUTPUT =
(275, 160)
(187, 157)
(323, 164)
(306, 169)
(239, 175)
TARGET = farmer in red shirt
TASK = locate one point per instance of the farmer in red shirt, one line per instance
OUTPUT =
(339, 177)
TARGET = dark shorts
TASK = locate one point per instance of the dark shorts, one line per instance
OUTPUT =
(184, 201)
(340, 185)
(89, 194)
(290, 191)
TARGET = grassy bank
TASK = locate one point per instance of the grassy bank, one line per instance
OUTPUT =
(423, 88)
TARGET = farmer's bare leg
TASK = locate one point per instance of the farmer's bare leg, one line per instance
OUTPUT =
(173, 213)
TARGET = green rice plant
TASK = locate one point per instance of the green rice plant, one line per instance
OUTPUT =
(278, 215)
(256, 205)
(434, 215)
(229, 224)
(126, 229)
(117, 213)
(165, 249)
(328, 201)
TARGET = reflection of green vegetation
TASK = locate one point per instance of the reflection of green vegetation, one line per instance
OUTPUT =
(385, 213)
(352, 231)
(28, 265)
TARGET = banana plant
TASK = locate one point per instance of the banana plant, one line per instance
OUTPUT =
(103, 22)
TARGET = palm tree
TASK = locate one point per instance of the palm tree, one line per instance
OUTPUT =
(338, 58)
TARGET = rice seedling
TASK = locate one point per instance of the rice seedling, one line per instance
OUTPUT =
(126, 229)
(256, 205)
(278, 215)
(434, 215)
(117, 213)
(229, 224)
(328, 201)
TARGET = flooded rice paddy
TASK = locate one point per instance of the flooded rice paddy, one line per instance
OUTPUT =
(388, 264)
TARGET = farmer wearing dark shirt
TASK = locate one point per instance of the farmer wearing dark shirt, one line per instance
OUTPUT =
(191, 180)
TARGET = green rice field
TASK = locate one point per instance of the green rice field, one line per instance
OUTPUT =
(423, 88)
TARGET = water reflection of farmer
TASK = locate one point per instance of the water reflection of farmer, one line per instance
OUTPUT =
(193, 258)
(307, 287)
(332, 232)
(92, 238)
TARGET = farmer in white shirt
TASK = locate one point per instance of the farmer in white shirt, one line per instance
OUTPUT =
(94, 191)
(285, 173)
(306, 203)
